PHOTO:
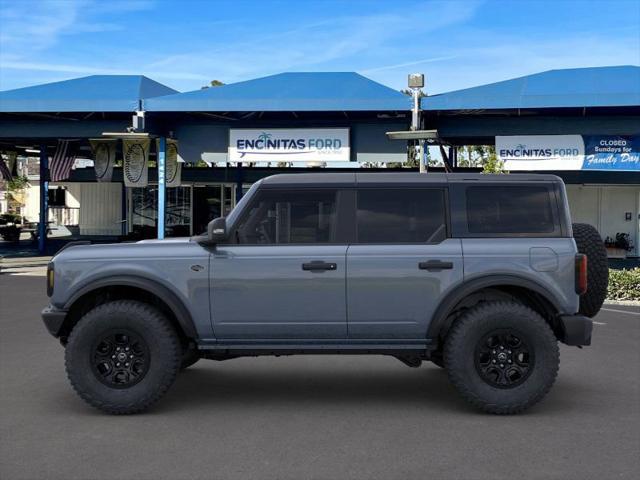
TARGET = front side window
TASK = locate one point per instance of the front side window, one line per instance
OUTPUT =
(401, 216)
(509, 209)
(290, 217)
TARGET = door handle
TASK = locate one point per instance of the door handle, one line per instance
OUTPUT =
(319, 266)
(435, 265)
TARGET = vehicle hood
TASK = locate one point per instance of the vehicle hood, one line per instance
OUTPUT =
(167, 240)
(109, 252)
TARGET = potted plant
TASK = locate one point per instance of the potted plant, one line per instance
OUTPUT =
(620, 246)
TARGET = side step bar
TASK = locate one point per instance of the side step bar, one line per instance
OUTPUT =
(314, 348)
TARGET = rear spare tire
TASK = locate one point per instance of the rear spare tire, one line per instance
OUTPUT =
(590, 243)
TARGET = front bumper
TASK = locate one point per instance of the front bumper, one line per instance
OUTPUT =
(576, 330)
(54, 319)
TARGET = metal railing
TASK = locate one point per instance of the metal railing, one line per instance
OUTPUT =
(64, 215)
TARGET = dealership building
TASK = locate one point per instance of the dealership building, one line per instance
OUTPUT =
(210, 145)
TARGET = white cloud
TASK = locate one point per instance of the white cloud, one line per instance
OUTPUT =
(88, 70)
(408, 64)
(31, 27)
(500, 57)
(314, 46)
(436, 37)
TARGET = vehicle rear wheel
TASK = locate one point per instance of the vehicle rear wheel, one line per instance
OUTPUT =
(590, 243)
(502, 357)
(122, 356)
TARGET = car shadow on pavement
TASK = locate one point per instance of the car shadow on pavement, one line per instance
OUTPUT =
(213, 386)
(209, 386)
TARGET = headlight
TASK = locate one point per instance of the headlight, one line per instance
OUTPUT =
(50, 279)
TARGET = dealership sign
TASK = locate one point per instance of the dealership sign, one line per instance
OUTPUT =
(569, 152)
(611, 152)
(541, 152)
(289, 145)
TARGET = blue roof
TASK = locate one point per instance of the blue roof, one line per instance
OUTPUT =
(299, 92)
(576, 87)
(96, 93)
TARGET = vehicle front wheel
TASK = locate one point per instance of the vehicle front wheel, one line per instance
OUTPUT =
(122, 356)
(502, 357)
(190, 356)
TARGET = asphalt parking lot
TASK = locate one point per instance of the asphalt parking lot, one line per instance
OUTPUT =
(315, 417)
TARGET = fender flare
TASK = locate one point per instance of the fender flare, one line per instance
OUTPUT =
(458, 293)
(176, 305)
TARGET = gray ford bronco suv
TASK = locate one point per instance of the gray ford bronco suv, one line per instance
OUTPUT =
(480, 274)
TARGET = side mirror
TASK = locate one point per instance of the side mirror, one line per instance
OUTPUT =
(217, 230)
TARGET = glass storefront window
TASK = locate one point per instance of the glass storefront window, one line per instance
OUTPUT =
(183, 218)
(228, 200)
(144, 212)
(178, 217)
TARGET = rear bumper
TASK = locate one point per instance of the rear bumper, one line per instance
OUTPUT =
(53, 319)
(576, 330)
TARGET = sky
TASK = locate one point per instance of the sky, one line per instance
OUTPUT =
(185, 44)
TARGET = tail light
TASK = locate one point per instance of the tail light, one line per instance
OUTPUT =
(581, 274)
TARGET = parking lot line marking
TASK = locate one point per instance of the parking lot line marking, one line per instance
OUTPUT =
(620, 311)
(599, 323)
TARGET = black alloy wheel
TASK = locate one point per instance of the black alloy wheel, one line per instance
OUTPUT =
(120, 359)
(503, 358)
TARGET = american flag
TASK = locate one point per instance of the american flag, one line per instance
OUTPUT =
(62, 160)
(5, 173)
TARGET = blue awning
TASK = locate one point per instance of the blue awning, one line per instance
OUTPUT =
(96, 93)
(577, 87)
(288, 92)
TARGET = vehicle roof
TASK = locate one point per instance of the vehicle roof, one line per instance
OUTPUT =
(398, 178)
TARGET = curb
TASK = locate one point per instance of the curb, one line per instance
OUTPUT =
(630, 303)
(15, 264)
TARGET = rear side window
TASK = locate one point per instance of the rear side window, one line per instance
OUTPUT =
(283, 217)
(401, 216)
(509, 209)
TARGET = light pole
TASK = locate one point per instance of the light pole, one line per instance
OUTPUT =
(416, 83)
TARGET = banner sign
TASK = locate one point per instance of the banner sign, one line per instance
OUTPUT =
(610, 152)
(569, 152)
(173, 166)
(289, 145)
(540, 152)
(104, 157)
(136, 162)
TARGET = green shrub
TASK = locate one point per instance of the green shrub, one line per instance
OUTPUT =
(624, 284)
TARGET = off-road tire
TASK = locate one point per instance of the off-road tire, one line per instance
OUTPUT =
(460, 356)
(590, 243)
(149, 324)
(189, 357)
